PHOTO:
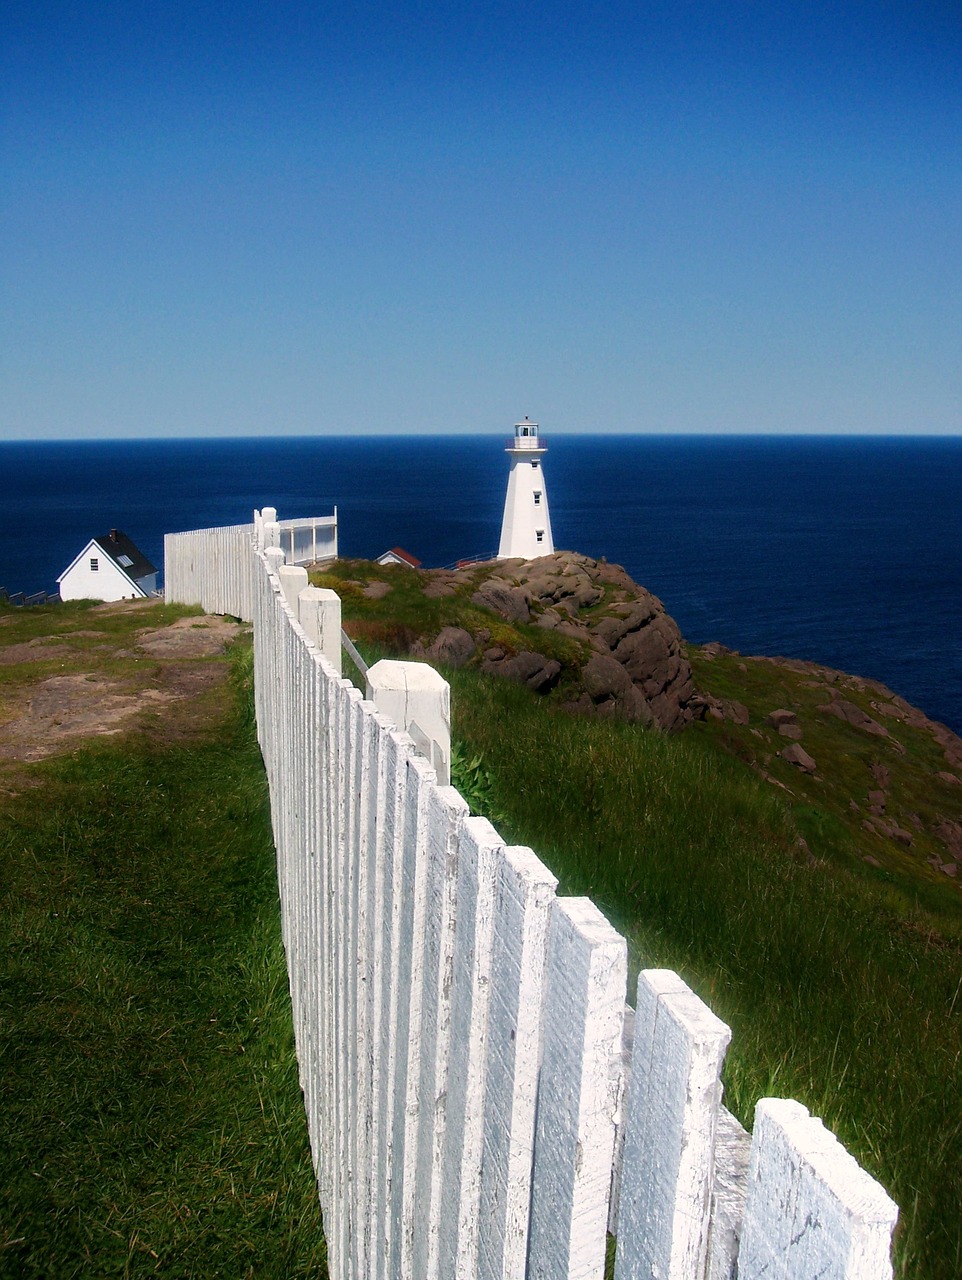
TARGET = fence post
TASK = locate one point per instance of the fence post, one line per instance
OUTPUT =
(275, 558)
(418, 700)
(319, 613)
(293, 580)
(811, 1209)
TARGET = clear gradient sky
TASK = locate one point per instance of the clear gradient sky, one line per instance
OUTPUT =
(283, 218)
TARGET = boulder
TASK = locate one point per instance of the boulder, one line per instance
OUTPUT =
(454, 646)
(501, 597)
(533, 669)
(854, 716)
(799, 757)
(781, 717)
(612, 691)
(737, 712)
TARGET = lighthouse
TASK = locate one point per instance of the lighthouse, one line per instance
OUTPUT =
(526, 527)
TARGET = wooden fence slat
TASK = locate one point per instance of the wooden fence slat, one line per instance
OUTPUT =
(578, 1093)
(732, 1147)
(471, 978)
(674, 1094)
(387, 918)
(410, 977)
(368, 732)
(445, 814)
(811, 1209)
(524, 894)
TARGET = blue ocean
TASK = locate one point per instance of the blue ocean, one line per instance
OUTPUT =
(846, 551)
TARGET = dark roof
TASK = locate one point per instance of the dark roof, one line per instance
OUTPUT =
(125, 554)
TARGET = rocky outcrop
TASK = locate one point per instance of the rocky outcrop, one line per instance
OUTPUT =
(632, 662)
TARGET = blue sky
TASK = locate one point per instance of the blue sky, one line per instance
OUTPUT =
(252, 219)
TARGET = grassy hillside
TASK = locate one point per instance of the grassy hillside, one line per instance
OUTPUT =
(152, 1119)
(832, 949)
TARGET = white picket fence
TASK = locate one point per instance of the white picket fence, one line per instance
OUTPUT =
(211, 567)
(481, 1101)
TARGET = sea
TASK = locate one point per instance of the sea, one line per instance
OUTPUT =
(843, 550)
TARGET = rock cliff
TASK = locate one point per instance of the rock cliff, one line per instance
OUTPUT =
(631, 661)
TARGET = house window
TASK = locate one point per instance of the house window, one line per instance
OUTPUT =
(537, 498)
(539, 534)
(125, 561)
(94, 564)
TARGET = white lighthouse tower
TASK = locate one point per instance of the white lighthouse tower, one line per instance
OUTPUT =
(526, 527)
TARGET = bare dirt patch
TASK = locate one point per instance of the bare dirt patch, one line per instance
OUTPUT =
(40, 650)
(160, 679)
(189, 638)
(65, 708)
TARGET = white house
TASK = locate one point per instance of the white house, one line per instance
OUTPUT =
(109, 568)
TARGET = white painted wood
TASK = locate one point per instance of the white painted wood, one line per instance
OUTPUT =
(622, 1071)
(459, 1226)
(578, 1093)
(293, 580)
(811, 1210)
(418, 700)
(384, 928)
(673, 1099)
(404, 1211)
(524, 893)
(732, 1148)
(319, 611)
(446, 811)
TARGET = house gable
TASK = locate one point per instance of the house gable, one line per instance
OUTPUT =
(96, 574)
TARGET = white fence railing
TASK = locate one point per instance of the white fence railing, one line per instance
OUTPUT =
(480, 1099)
(212, 567)
(307, 541)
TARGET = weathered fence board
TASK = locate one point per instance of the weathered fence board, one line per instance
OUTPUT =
(811, 1210)
(578, 1093)
(671, 1115)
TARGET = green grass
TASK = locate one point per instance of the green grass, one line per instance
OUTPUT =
(152, 1119)
(838, 992)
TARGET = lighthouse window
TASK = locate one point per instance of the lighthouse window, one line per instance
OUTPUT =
(534, 464)
(537, 498)
(539, 534)
(94, 564)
